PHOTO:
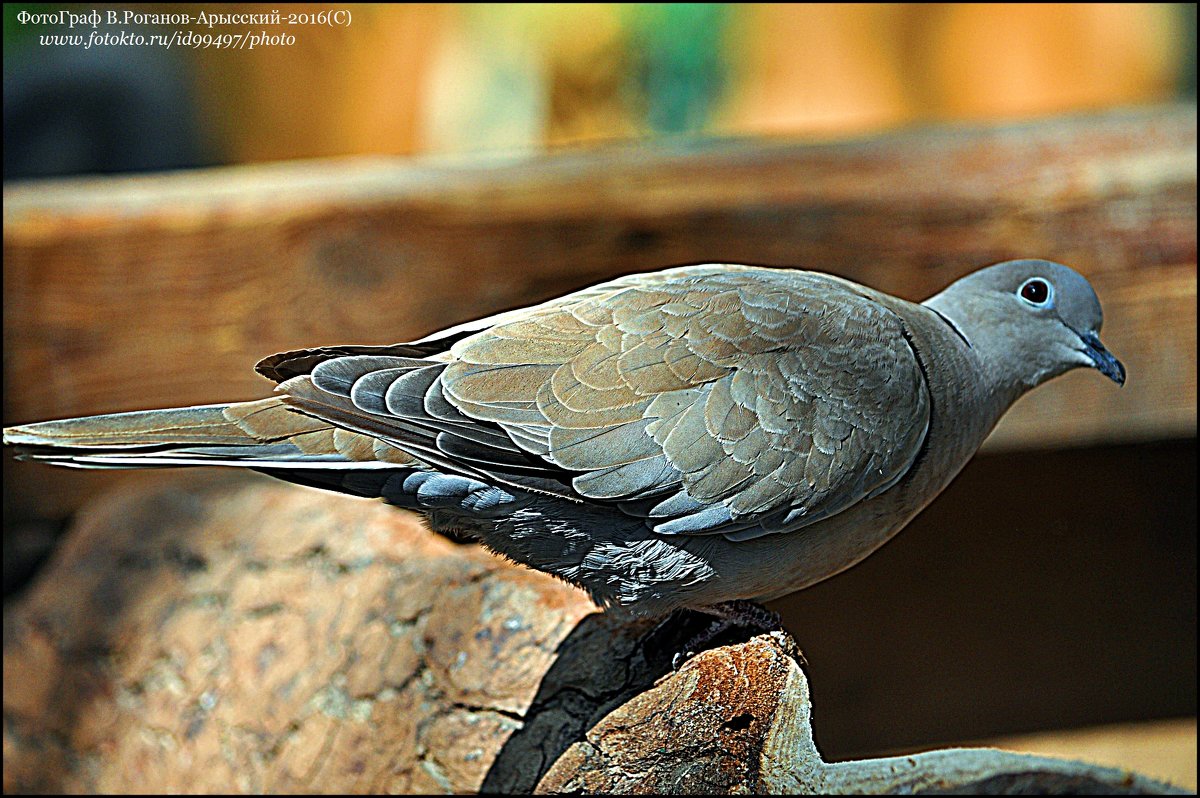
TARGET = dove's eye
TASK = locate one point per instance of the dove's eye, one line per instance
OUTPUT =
(1035, 291)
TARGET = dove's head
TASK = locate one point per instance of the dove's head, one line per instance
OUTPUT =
(1030, 320)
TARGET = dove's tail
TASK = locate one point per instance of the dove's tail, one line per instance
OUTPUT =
(265, 434)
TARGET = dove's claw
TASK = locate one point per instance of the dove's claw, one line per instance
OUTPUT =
(732, 620)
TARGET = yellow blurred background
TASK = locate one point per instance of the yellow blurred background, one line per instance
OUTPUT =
(458, 78)
(453, 78)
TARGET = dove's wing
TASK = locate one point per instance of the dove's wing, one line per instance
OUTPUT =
(706, 399)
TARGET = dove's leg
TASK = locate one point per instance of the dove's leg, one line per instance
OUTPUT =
(730, 615)
(746, 615)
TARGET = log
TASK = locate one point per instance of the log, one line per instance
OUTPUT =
(136, 292)
(738, 720)
(225, 634)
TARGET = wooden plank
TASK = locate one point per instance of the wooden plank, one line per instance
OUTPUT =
(134, 292)
(1163, 749)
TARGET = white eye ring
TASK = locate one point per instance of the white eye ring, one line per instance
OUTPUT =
(1036, 292)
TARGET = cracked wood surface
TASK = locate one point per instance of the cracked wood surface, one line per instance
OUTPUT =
(220, 634)
(231, 635)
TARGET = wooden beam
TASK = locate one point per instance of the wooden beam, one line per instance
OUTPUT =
(136, 292)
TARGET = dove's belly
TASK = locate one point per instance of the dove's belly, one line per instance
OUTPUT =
(630, 569)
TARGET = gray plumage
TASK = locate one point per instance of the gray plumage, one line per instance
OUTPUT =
(680, 438)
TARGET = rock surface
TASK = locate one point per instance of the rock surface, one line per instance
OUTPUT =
(224, 634)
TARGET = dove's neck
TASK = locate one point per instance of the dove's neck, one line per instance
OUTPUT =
(987, 359)
(967, 397)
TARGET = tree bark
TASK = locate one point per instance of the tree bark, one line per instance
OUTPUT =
(224, 634)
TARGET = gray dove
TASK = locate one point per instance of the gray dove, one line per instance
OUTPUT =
(689, 438)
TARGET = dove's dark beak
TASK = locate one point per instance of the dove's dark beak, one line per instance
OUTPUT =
(1103, 360)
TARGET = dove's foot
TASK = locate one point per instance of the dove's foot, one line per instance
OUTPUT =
(731, 622)
(747, 615)
(731, 616)
(665, 638)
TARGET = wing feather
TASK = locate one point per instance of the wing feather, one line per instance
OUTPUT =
(709, 399)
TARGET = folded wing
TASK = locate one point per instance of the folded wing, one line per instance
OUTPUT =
(707, 399)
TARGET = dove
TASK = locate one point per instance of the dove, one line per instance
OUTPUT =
(693, 438)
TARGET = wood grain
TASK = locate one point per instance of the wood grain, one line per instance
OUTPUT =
(236, 635)
(138, 292)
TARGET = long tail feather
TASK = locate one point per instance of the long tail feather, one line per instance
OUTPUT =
(178, 425)
(264, 434)
(268, 436)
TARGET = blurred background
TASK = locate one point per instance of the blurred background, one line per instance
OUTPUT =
(1051, 587)
(468, 78)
